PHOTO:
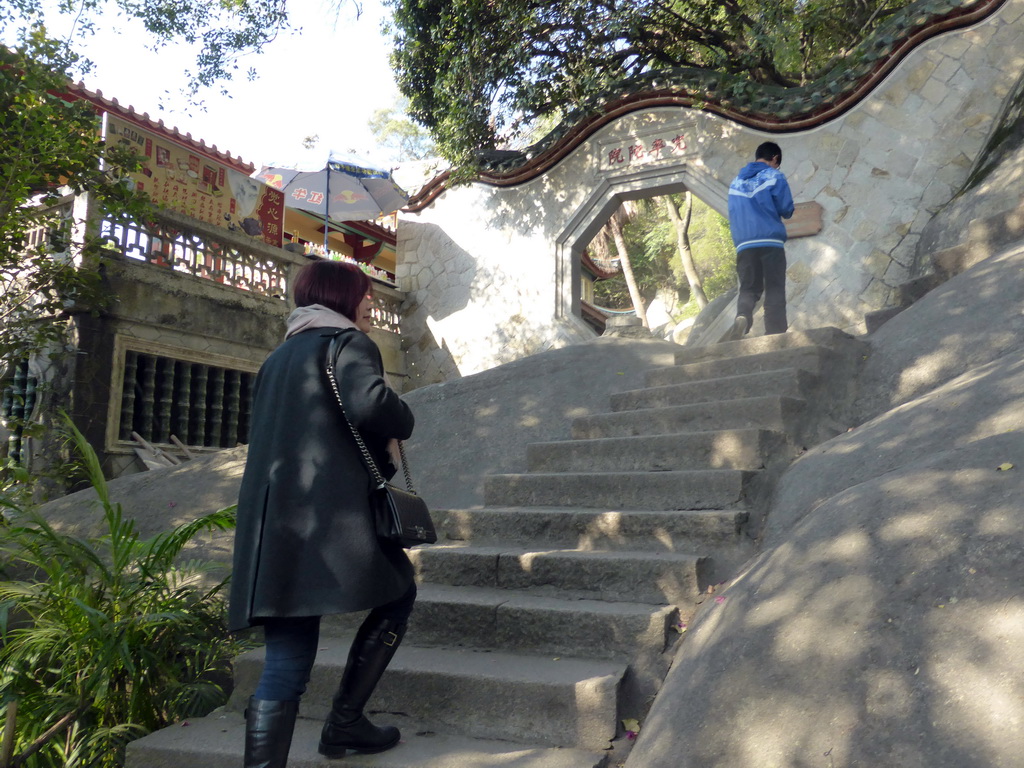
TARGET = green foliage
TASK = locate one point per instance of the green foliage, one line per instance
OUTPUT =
(393, 129)
(478, 74)
(651, 240)
(713, 251)
(828, 30)
(49, 149)
(105, 638)
(221, 32)
(16, 487)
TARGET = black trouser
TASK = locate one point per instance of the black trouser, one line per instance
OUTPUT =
(291, 645)
(763, 270)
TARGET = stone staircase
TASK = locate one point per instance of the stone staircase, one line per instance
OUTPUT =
(550, 614)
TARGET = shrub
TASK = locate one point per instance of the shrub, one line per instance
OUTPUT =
(105, 638)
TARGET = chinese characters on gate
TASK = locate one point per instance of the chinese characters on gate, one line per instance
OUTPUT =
(642, 150)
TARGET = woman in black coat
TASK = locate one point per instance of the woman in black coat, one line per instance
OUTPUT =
(306, 545)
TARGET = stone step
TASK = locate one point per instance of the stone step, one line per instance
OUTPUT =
(786, 382)
(678, 489)
(832, 338)
(778, 414)
(216, 742)
(505, 620)
(527, 642)
(656, 578)
(722, 449)
(541, 700)
(593, 529)
(811, 359)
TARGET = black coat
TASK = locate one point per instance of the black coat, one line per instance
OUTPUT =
(305, 544)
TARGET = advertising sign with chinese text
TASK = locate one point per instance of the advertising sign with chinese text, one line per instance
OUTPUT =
(196, 185)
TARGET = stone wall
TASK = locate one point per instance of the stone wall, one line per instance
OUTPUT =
(492, 270)
(990, 195)
(160, 312)
(470, 309)
(157, 311)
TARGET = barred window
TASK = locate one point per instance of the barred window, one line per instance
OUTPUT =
(203, 406)
(16, 406)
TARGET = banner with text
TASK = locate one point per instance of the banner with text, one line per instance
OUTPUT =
(200, 187)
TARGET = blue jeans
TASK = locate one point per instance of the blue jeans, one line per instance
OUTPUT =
(291, 645)
(763, 270)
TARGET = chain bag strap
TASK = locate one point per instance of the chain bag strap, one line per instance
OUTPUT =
(402, 516)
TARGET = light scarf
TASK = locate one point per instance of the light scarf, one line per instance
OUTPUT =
(315, 316)
(319, 316)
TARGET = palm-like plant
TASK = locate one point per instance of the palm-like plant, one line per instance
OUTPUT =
(104, 639)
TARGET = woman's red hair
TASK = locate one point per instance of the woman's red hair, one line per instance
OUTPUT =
(336, 285)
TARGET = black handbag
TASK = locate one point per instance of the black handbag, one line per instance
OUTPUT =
(401, 516)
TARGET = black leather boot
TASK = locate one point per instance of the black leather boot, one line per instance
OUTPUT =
(347, 728)
(268, 732)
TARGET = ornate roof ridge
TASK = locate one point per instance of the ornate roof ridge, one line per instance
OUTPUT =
(79, 90)
(599, 266)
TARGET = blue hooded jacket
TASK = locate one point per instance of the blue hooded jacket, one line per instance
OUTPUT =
(759, 198)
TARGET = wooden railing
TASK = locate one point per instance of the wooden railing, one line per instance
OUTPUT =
(593, 316)
(188, 246)
(17, 404)
(387, 307)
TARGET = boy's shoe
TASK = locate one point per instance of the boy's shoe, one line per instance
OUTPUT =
(736, 331)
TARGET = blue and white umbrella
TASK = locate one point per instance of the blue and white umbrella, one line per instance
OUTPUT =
(341, 191)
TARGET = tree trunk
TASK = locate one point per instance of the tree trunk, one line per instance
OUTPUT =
(627, 269)
(682, 224)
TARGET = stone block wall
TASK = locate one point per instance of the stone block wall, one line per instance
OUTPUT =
(466, 314)
(491, 270)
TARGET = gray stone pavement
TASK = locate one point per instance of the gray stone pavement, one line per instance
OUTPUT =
(466, 428)
(882, 622)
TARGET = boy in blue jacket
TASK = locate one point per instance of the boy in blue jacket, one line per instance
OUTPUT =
(759, 198)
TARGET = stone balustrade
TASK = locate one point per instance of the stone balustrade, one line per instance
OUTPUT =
(189, 247)
(192, 247)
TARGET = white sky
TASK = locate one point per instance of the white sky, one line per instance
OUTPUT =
(326, 80)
